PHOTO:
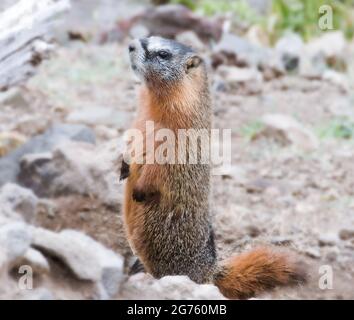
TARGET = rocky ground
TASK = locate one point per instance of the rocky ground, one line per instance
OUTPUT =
(291, 183)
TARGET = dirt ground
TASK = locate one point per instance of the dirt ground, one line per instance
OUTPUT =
(276, 194)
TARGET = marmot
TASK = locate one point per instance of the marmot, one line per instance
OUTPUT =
(166, 210)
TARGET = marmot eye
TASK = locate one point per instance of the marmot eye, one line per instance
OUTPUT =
(163, 54)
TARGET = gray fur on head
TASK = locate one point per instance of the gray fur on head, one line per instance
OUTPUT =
(161, 61)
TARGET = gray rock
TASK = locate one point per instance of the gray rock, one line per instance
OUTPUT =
(171, 19)
(144, 286)
(312, 252)
(237, 51)
(331, 44)
(19, 200)
(245, 80)
(332, 255)
(9, 165)
(190, 38)
(346, 234)
(36, 260)
(15, 239)
(290, 48)
(328, 49)
(243, 51)
(47, 207)
(76, 168)
(328, 240)
(88, 259)
(12, 97)
(287, 130)
(281, 241)
(139, 31)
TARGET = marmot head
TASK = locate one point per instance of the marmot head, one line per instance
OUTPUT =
(162, 63)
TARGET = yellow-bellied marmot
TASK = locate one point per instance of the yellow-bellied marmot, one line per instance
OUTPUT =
(166, 208)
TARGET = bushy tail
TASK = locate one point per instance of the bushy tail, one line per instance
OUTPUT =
(262, 269)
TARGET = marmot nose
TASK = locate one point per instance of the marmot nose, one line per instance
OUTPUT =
(131, 47)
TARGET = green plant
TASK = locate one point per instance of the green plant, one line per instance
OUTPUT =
(302, 16)
(338, 129)
(187, 3)
(252, 129)
(240, 8)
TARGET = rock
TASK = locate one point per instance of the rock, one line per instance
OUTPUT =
(331, 44)
(191, 39)
(47, 207)
(237, 51)
(312, 252)
(290, 48)
(139, 31)
(327, 239)
(36, 260)
(332, 255)
(15, 239)
(245, 80)
(88, 259)
(144, 286)
(287, 130)
(281, 241)
(322, 52)
(76, 168)
(20, 200)
(9, 165)
(167, 21)
(31, 125)
(171, 19)
(253, 231)
(346, 234)
(312, 67)
(12, 97)
(10, 141)
(106, 133)
(100, 116)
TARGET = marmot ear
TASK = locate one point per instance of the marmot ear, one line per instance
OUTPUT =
(193, 62)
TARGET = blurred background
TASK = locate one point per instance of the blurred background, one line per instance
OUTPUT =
(281, 76)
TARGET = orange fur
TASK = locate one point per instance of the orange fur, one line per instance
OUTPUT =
(254, 272)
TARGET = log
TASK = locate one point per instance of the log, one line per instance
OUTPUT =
(25, 38)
